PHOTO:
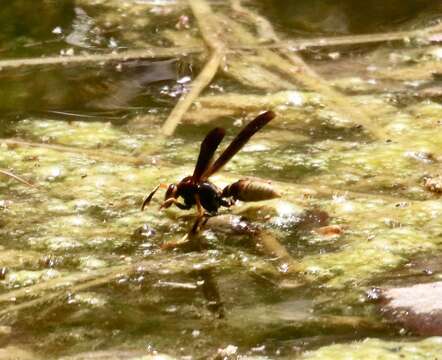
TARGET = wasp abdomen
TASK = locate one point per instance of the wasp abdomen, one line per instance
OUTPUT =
(249, 190)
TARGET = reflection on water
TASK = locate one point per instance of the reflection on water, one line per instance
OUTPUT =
(88, 89)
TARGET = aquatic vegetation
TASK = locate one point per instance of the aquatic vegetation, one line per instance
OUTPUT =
(354, 152)
(424, 349)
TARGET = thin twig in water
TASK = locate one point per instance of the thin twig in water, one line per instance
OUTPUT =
(303, 44)
(148, 53)
(58, 283)
(209, 31)
(302, 73)
(156, 52)
(198, 85)
(16, 177)
(344, 105)
(74, 283)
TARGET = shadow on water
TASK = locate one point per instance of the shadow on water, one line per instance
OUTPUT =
(111, 93)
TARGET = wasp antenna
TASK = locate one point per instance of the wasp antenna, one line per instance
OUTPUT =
(149, 197)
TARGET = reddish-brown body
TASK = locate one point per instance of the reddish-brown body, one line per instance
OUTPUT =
(210, 196)
(198, 190)
(250, 190)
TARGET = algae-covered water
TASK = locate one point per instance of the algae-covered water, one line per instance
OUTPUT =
(354, 150)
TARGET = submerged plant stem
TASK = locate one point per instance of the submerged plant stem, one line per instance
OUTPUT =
(272, 247)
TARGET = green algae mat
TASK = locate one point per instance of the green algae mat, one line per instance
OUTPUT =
(102, 100)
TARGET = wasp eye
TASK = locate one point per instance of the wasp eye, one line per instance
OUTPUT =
(171, 191)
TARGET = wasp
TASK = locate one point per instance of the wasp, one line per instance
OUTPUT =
(198, 190)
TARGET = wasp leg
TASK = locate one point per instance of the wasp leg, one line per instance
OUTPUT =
(199, 222)
(190, 237)
(172, 201)
(199, 207)
(196, 242)
(170, 245)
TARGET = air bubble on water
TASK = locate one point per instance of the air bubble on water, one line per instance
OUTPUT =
(113, 43)
(171, 309)
(229, 350)
(256, 147)
(283, 268)
(259, 348)
(67, 52)
(184, 79)
(77, 221)
(295, 98)
(437, 53)
(54, 173)
(238, 122)
(81, 204)
(287, 214)
(334, 55)
(343, 203)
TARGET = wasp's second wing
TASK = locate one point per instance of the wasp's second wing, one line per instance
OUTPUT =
(239, 141)
(207, 150)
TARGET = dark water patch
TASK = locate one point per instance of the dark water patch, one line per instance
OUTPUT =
(113, 90)
(168, 311)
(322, 17)
(28, 29)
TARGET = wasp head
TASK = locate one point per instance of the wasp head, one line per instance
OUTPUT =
(171, 192)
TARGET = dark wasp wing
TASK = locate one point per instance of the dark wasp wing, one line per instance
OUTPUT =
(207, 150)
(239, 141)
